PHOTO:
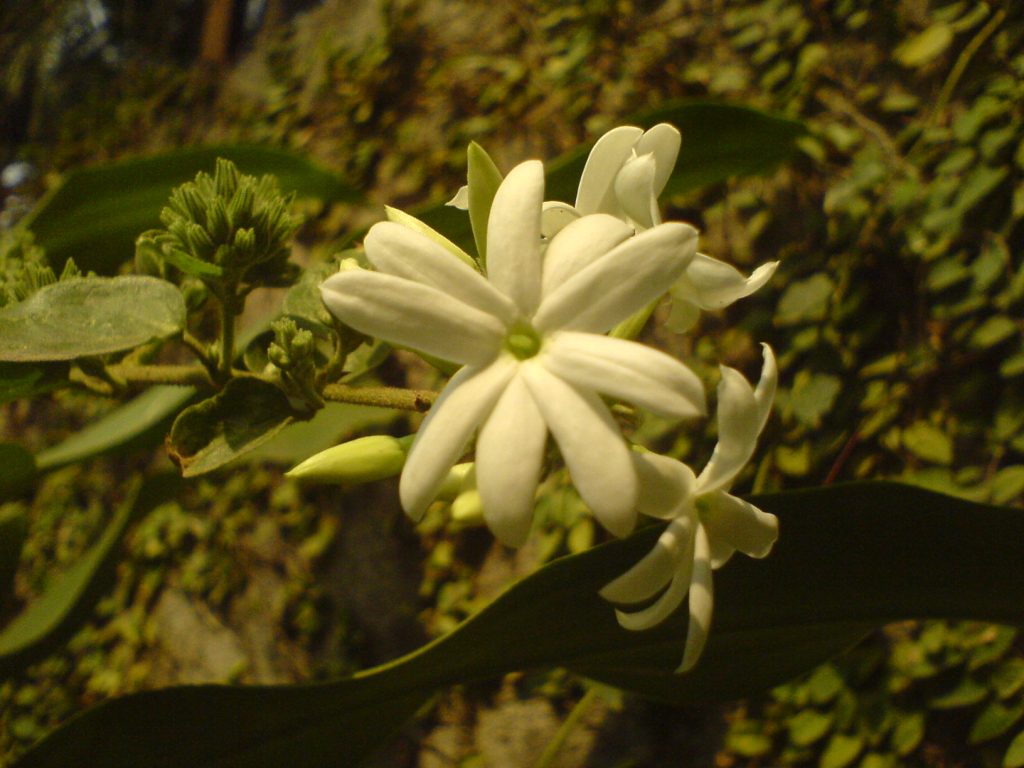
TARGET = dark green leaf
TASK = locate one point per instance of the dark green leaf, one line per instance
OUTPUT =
(120, 428)
(49, 618)
(90, 316)
(96, 213)
(850, 557)
(13, 530)
(1014, 757)
(908, 732)
(244, 415)
(17, 470)
(19, 380)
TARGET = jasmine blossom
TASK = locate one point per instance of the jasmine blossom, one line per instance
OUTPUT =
(528, 336)
(707, 524)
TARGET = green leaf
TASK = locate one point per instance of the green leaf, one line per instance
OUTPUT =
(1008, 678)
(90, 316)
(13, 530)
(807, 726)
(17, 470)
(925, 46)
(966, 693)
(825, 684)
(928, 442)
(805, 300)
(812, 396)
(21, 380)
(850, 558)
(483, 179)
(245, 414)
(748, 744)
(995, 720)
(908, 733)
(96, 213)
(1008, 484)
(1014, 757)
(842, 750)
(720, 141)
(994, 330)
(121, 428)
(69, 600)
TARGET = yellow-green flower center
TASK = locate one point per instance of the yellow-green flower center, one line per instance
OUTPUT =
(522, 341)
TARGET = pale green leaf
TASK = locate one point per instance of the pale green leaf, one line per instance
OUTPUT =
(928, 442)
(90, 316)
(925, 46)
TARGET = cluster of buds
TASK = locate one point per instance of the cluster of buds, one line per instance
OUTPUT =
(24, 268)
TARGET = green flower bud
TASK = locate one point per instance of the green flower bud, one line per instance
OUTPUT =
(358, 461)
(468, 509)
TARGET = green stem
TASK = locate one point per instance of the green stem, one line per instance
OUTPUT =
(547, 758)
(227, 338)
(180, 375)
(963, 60)
(381, 397)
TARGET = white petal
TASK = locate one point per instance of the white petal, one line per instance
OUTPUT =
(582, 242)
(592, 446)
(623, 281)
(667, 603)
(513, 235)
(626, 370)
(701, 602)
(442, 438)
(555, 217)
(713, 284)
(721, 553)
(413, 315)
(509, 453)
(461, 199)
(411, 222)
(634, 189)
(595, 193)
(656, 568)
(737, 432)
(403, 252)
(663, 140)
(741, 524)
(683, 315)
(666, 485)
(765, 392)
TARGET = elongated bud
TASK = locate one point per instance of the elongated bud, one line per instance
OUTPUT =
(468, 509)
(358, 461)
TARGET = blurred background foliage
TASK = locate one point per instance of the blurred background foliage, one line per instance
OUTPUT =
(896, 312)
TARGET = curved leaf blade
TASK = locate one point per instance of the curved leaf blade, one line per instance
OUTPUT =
(850, 558)
(96, 213)
(90, 316)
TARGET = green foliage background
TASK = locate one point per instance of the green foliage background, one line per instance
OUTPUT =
(897, 308)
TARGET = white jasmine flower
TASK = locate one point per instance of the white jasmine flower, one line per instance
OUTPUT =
(529, 337)
(625, 173)
(707, 523)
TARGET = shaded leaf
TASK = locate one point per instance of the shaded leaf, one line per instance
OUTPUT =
(805, 300)
(908, 733)
(62, 606)
(244, 415)
(483, 179)
(90, 316)
(1014, 757)
(21, 380)
(96, 213)
(149, 412)
(13, 530)
(850, 558)
(995, 720)
(17, 470)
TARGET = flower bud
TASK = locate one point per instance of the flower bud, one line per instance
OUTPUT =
(357, 461)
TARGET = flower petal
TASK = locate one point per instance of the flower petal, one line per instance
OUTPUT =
(626, 370)
(626, 279)
(414, 315)
(656, 568)
(582, 242)
(513, 235)
(464, 403)
(634, 189)
(592, 446)
(403, 252)
(595, 193)
(461, 199)
(765, 392)
(738, 426)
(666, 485)
(663, 140)
(556, 216)
(741, 524)
(701, 602)
(671, 599)
(509, 453)
(683, 315)
(713, 284)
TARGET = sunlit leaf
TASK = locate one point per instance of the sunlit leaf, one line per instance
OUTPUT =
(90, 316)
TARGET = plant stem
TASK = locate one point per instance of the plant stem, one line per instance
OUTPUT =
(181, 375)
(547, 758)
(382, 397)
(227, 337)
